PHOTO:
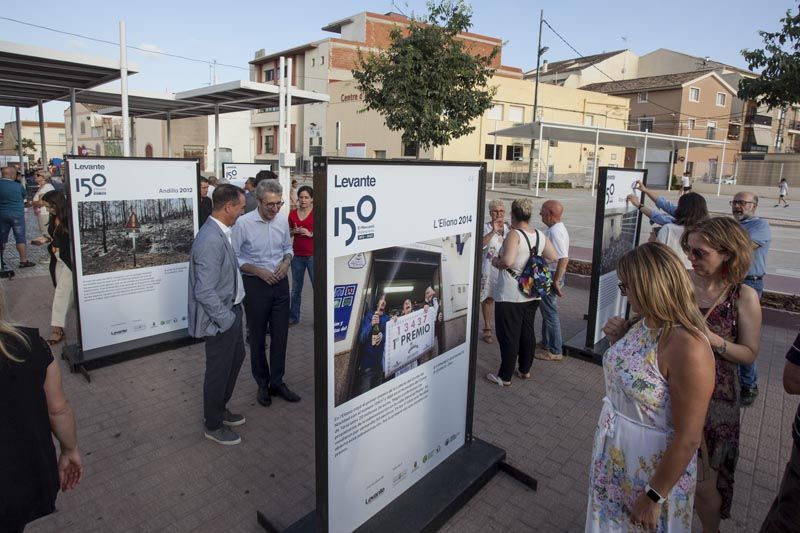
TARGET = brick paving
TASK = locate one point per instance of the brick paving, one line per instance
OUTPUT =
(148, 467)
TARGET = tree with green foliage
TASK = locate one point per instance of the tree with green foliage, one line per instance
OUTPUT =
(428, 83)
(779, 82)
(27, 144)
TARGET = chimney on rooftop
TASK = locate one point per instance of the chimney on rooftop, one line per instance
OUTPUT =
(544, 67)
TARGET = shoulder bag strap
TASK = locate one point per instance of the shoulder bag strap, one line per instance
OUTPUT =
(515, 275)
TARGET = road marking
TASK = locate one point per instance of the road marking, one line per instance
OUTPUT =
(784, 251)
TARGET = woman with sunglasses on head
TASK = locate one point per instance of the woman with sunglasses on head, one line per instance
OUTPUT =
(720, 252)
(659, 377)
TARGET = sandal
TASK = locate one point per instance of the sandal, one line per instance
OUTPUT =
(56, 336)
(26, 264)
(39, 241)
(487, 336)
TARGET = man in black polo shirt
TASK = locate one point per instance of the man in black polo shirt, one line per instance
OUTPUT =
(784, 515)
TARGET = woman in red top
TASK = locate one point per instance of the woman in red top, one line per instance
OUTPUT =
(301, 225)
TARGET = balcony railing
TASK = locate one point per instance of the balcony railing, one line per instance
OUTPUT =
(751, 147)
(759, 120)
(793, 125)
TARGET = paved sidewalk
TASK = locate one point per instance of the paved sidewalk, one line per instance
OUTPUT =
(148, 467)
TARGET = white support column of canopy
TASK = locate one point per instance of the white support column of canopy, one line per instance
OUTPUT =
(73, 119)
(41, 136)
(539, 157)
(169, 134)
(596, 147)
(123, 78)
(719, 168)
(19, 142)
(217, 166)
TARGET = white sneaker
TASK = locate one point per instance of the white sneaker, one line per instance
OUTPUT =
(497, 381)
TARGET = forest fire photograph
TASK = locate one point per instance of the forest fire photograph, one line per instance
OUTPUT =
(129, 234)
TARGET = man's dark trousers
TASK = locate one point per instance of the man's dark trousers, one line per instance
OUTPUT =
(267, 305)
(224, 357)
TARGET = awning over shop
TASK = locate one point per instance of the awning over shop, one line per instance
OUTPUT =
(763, 136)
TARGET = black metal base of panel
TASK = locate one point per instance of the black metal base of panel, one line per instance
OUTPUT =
(81, 361)
(433, 500)
(576, 347)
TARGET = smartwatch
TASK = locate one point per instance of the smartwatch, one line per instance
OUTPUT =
(653, 494)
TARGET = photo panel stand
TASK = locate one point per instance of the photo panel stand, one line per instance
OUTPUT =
(616, 230)
(133, 303)
(432, 500)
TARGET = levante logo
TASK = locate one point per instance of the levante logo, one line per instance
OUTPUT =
(94, 185)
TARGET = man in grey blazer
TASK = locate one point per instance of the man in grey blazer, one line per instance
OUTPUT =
(216, 292)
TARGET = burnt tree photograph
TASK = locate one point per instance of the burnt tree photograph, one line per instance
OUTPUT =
(128, 234)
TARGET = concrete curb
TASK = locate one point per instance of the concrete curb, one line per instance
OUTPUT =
(781, 318)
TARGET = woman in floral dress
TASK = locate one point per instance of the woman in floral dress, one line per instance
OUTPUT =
(659, 377)
(494, 232)
(720, 252)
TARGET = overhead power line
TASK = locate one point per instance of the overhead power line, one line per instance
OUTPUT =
(104, 41)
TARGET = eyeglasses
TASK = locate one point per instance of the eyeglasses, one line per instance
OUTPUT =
(695, 252)
(497, 211)
(622, 289)
(272, 205)
(741, 202)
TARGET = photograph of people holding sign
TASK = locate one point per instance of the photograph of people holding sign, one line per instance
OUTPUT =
(400, 307)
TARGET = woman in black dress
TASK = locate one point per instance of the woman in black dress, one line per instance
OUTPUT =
(33, 407)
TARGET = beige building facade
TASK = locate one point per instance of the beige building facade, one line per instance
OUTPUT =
(340, 128)
(322, 65)
(689, 104)
(352, 132)
(54, 135)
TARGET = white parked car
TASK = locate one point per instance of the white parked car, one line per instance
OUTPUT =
(726, 180)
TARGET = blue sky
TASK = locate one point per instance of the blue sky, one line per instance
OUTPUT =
(230, 32)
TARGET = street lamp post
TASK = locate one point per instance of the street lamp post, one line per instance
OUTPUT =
(539, 52)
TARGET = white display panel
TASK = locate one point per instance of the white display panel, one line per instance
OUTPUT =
(403, 235)
(620, 222)
(133, 223)
(237, 174)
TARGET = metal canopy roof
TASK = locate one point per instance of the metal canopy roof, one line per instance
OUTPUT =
(139, 104)
(31, 73)
(610, 137)
(240, 95)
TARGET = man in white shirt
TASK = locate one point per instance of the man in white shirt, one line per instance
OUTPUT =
(556, 233)
(263, 247)
(686, 183)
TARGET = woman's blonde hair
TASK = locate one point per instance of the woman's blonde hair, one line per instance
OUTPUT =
(656, 278)
(726, 236)
(522, 209)
(8, 330)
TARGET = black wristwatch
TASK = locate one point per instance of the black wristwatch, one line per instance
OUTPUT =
(653, 494)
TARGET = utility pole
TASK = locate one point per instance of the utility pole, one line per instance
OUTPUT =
(536, 98)
(779, 136)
